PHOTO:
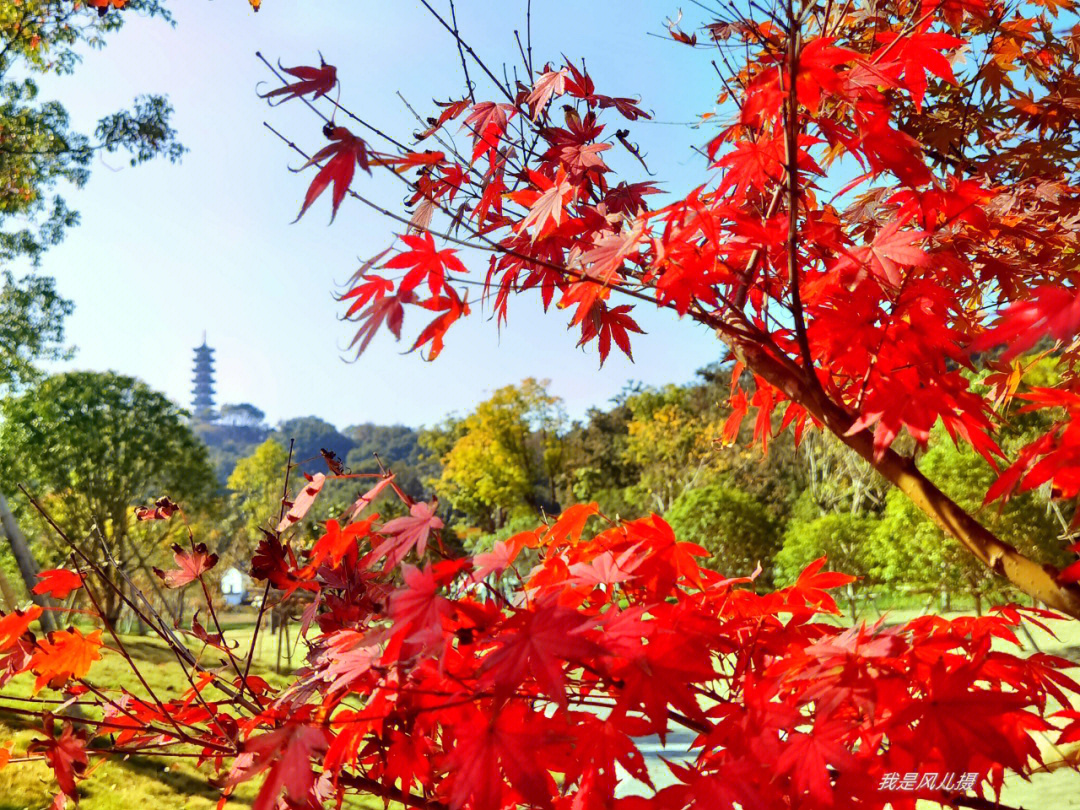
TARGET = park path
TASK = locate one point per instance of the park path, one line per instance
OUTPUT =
(676, 749)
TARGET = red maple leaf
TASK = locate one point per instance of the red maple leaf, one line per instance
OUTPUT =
(372, 288)
(65, 754)
(893, 248)
(610, 324)
(812, 584)
(190, 565)
(418, 604)
(316, 80)
(917, 55)
(494, 750)
(336, 543)
(386, 309)
(550, 83)
(286, 754)
(453, 308)
(163, 509)
(58, 583)
(1051, 310)
(201, 633)
(424, 261)
(501, 557)
(365, 500)
(811, 759)
(404, 533)
(538, 642)
(545, 205)
(488, 124)
(451, 110)
(303, 502)
(342, 157)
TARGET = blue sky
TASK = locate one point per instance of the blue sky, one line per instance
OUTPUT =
(165, 252)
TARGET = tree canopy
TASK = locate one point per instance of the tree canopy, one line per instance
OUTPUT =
(39, 150)
(95, 445)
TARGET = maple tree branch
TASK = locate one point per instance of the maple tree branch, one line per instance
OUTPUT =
(181, 734)
(1035, 579)
(463, 44)
(461, 53)
(489, 244)
(183, 655)
(791, 142)
(395, 794)
(266, 590)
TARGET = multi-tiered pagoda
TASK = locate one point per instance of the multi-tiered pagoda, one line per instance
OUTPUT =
(202, 401)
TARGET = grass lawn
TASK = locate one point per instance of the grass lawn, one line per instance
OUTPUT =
(159, 783)
(135, 783)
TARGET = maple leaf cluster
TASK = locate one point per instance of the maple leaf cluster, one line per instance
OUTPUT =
(870, 198)
(483, 682)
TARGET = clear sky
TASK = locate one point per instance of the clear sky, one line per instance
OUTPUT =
(165, 252)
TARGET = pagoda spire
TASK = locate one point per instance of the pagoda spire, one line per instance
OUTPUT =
(202, 402)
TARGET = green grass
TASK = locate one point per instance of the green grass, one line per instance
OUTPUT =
(140, 782)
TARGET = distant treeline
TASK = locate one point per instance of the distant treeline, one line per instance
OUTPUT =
(517, 457)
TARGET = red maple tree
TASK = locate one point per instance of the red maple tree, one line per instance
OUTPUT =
(874, 215)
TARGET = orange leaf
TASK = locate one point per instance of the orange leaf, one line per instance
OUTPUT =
(15, 624)
(64, 655)
(58, 583)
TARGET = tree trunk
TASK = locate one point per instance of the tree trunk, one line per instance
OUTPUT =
(1002, 558)
(24, 558)
(11, 601)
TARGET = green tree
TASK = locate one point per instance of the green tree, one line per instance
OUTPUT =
(39, 151)
(95, 444)
(733, 526)
(675, 442)
(596, 466)
(841, 536)
(672, 444)
(398, 449)
(908, 550)
(505, 457)
(32, 317)
(243, 414)
(255, 490)
(310, 435)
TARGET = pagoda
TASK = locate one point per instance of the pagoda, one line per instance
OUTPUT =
(202, 402)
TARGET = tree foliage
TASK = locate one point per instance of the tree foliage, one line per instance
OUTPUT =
(95, 444)
(506, 456)
(39, 150)
(32, 317)
(907, 548)
(731, 525)
(841, 537)
(309, 436)
(879, 281)
(255, 489)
